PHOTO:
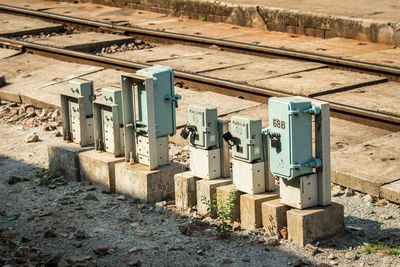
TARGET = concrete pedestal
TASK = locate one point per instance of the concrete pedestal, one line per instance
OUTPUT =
(152, 186)
(308, 225)
(65, 157)
(208, 189)
(274, 216)
(185, 190)
(99, 167)
(250, 209)
(223, 194)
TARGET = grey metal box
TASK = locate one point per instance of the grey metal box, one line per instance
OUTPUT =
(248, 132)
(204, 120)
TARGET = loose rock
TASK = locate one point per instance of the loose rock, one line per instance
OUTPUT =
(51, 232)
(101, 251)
(90, 196)
(13, 180)
(30, 138)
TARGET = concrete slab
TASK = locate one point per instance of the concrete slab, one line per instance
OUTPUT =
(207, 189)
(99, 167)
(139, 182)
(11, 25)
(5, 53)
(274, 216)
(337, 47)
(250, 209)
(366, 167)
(86, 41)
(204, 63)
(307, 226)
(29, 83)
(319, 82)
(65, 157)
(196, 27)
(160, 53)
(185, 190)
(389, 57)
(263, 69)
(383, 97)
(225, 104)
(391, 192)
(339, 138)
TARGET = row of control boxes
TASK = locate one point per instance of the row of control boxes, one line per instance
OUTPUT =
(285, 149)
(125, 119)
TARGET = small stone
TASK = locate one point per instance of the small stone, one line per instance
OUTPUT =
(200, 252)
(348, 192)
(382, 202)
(80, 234)
(51, 232)
(185, 229)
(53, 261)
(134, 249)
(57, 133)
(3, 81)
(30, 138)
(141, 206)
(284, 233)
(311, 249)
(13, 180)
(77, 244)
(226, 261)
(273, 242)
(90, 196)
(52, 186)
(368, 199)
(351, 255)
(385, 217)
(3, 213)
(331, 257)
(332, 262)
(121, 197)
(134, 262)
(101, 251)
(337, 191)
(246, 259)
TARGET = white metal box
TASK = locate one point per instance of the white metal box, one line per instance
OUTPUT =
(205, 164)
(300, 192)
(249, 177)
(161, 146)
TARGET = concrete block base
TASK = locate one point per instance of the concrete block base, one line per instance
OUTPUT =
(308, 225)
(140, 182)
(208, 189)
(274, 216)
(250, 209)
(65, 157)
(99, 167)
(223, 194)
(185, 190)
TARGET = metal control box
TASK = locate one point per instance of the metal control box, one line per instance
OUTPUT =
(248, 146)
(205, 128)
(148, 109)
(108, 124)
(82, 87)
(205, 164)
(165, 101)
(290, 132)
(249, 177)
(300, 192)
(77, 112)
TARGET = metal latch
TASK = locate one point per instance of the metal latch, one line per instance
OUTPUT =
(173, 98)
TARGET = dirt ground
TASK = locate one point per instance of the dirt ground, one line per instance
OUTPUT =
(79, 224)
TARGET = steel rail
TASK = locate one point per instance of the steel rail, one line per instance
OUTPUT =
(259, 94)
(390, 71)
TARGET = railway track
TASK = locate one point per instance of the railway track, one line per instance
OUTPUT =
(260, 94)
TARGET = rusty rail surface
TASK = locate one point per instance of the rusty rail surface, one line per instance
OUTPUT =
(200, 82)
(392, 73)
